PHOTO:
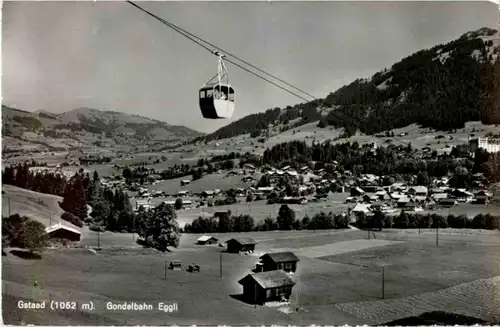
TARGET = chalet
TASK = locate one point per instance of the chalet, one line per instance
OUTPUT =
(398, 187)
(265, 190)
(381, 194)
(370, 186)
(292, 200)
(267, 286)
(356, 191)
(402, 202)
(411, 206)
(60, 231)
(247, 179)
(370, 198)
(205, 239)
(249, 166)
(185, 182)
(461, 195)
(286, 261)
(439, 196)
(207, 194)
(482, 197)
(447, 202)
(361, 208)
(418, 191)
(351, 199)
(183, 193)
(237, 245)
(377, 206)
(146, 204)
(222, 214)
(305, 169)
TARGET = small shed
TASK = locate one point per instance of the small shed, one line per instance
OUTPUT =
(286, 261)
(267, 286)
(237, 245)
(206, 239)
(175, 265)
(62, 231)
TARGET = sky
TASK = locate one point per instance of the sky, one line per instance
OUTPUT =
(57, 56)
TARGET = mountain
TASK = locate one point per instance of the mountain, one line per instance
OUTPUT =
(86, 127)
(442, 88)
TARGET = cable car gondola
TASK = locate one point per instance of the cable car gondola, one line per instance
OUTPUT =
(217, 97)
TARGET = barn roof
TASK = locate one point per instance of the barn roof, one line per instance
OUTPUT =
(205, 238)
(281, 257)
(243, 241)
(269, 279)
(57, 226)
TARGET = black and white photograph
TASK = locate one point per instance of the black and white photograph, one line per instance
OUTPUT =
(250, 163)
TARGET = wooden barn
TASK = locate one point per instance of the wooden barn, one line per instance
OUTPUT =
(206, 239)
(63, 232)
(286, 261)
(237, 245)
(267, 286)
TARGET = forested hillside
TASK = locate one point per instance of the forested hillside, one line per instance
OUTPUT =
(442, 87)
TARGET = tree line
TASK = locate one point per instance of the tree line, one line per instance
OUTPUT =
(286, 220)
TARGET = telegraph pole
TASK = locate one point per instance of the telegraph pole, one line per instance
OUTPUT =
(98, 240)
(220, 264)
(383, 283)
(437, 235)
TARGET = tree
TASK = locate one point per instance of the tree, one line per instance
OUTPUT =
(163, 229)
(264, 181)
(127, 174)
(178, 204)
(74, 200)
(423, 178)
(34, 237)
(249, 197)
(286, 217)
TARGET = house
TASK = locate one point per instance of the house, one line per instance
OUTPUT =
(265, 190)
(356, 191)
(461, 195)
(267, 286)
(361, 208)
(247, 179)
(222, 214)
(292, 200)
(402, 202)
(62, 231)
(286, 261)
(205, 239)
(182, 193)
(185, 182)
(207, 194)
(446, 202)
(249, 166)
(482, 197)
(418, 191)
(237, 245)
